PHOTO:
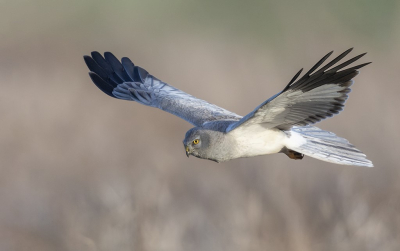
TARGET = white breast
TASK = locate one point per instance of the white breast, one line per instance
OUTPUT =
(256, 140)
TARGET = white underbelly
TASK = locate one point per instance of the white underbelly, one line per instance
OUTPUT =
(256, 140)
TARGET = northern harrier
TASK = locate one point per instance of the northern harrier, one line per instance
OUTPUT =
(282, 124)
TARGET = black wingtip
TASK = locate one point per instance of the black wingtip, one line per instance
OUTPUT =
(362, 55)
(358, 66)
(318, 64)
(327, 55)
(99, 59)
(347, 51)
(326, 74)
(346, 63)
(108, 54)
(129, 67)
(107, 72)
(87, 58)
(101, 84)
(95, 53)
(364, 64)
(96, 56)
(293, 79)
(93, 75)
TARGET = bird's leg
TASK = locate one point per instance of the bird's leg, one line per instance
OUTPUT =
(294, 155)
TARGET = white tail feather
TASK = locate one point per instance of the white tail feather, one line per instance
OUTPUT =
(326, 146)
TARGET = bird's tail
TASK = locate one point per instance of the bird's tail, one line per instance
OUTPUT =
(326, 146)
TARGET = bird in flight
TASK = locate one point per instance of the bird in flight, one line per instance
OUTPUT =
(281, 124)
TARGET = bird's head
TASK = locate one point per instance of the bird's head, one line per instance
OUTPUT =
(197, 142)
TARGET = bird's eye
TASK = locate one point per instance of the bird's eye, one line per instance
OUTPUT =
(196, 141)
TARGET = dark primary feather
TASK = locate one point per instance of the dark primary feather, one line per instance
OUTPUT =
(310, 81)
(129, 68)
(108, 73)
(300, 104)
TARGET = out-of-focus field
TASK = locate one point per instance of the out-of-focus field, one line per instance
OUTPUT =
(82, 171)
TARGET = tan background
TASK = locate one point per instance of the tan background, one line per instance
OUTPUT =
(82, 171)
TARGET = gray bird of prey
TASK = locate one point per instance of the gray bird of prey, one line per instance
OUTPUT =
(281, 124)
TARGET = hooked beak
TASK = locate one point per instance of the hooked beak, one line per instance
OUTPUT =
(187, 152)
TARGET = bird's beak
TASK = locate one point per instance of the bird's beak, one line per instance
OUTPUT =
(187, 152)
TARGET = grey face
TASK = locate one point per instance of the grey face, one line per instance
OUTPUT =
(196, 142)
(205, 143)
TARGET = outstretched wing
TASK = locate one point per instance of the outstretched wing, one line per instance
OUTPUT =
(124, 80)
(312, 98)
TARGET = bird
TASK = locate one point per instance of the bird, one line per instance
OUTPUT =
(283, 123)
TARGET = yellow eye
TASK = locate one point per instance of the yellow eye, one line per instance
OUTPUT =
(196, 141)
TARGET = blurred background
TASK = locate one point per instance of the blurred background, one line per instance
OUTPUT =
(82, 171)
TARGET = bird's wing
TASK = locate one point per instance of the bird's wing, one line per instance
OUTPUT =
(124, 80)
(315, 96)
